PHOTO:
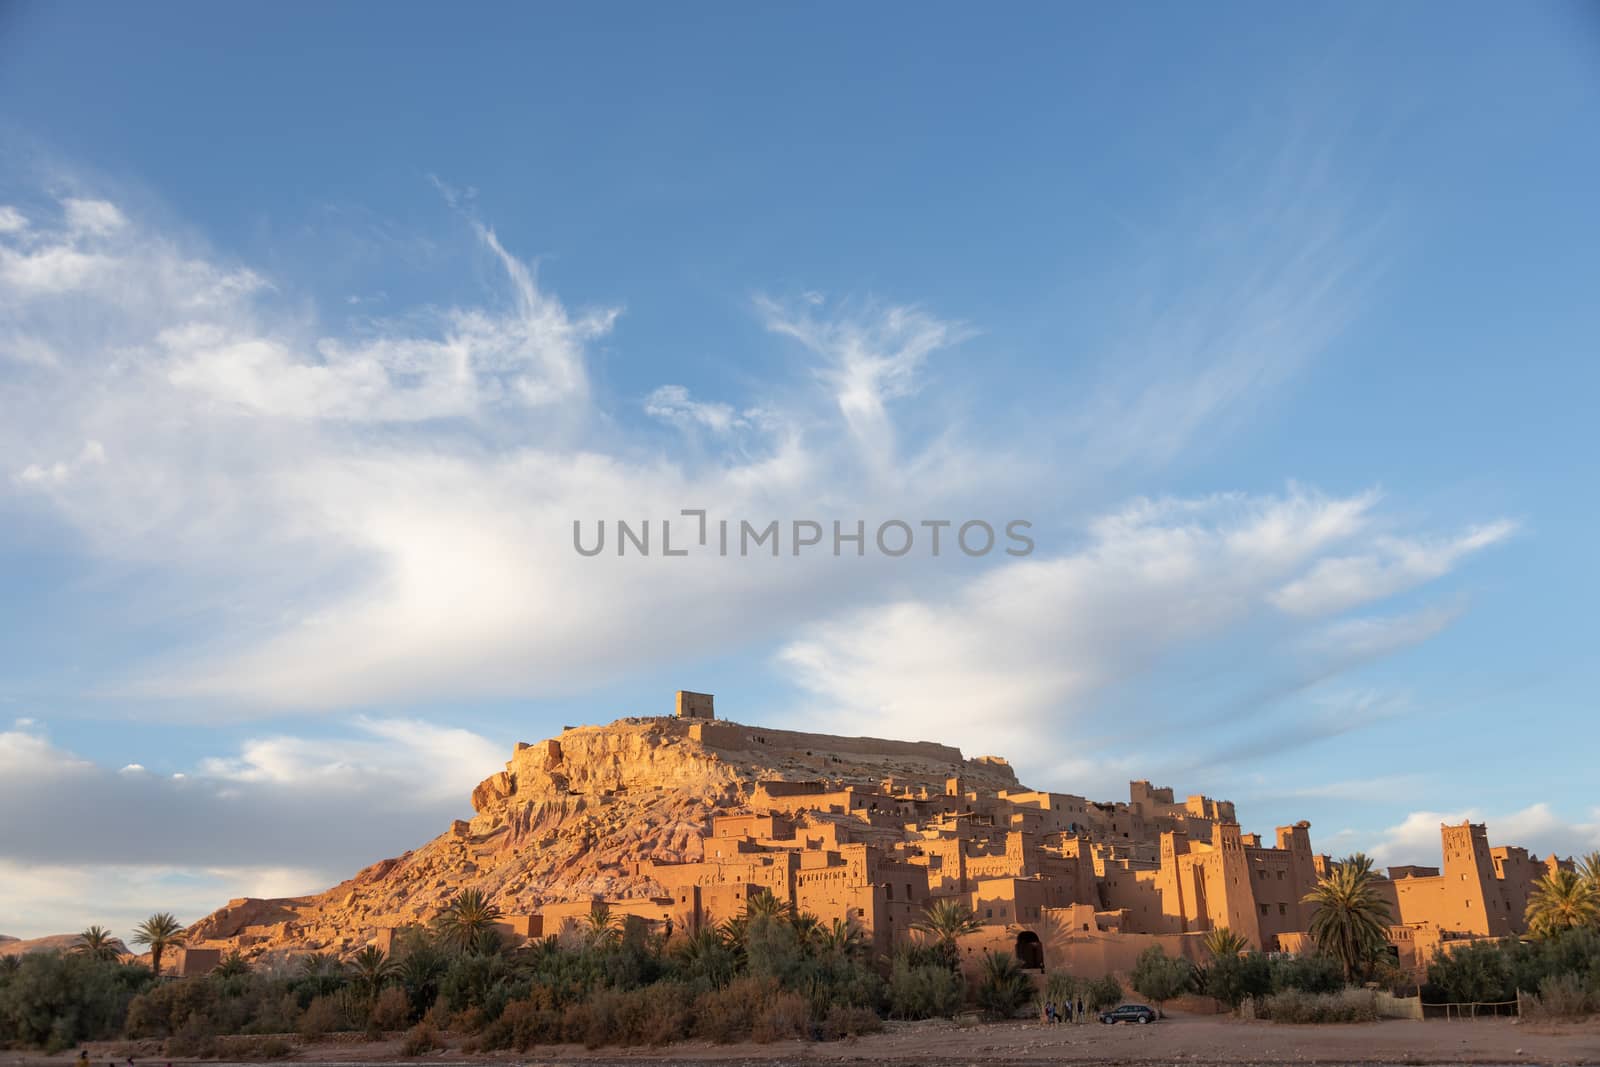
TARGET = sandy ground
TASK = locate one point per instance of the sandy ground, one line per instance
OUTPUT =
(1178, 1040)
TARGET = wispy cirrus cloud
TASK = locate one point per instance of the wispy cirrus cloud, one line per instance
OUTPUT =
(1394, 565)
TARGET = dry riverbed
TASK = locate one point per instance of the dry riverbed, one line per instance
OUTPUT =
(1179, 1040)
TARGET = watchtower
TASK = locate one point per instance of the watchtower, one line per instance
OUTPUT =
(695, 705)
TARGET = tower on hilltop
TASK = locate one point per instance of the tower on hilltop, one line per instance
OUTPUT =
(695, 705)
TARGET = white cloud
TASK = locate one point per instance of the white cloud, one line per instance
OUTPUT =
(868, 360)
(284, 815)
(1011, 659)
(418, 485)
(1538, 828)
(1397, 564)
(58, 473)
(12, 220)
(672, 403)
(95, 218)
(63, 898)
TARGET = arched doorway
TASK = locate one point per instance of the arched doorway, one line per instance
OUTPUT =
(1030, 950)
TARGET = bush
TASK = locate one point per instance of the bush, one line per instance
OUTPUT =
(1346, 1006)
(253, 1048)
(654, 1015)
(1233, 978)
(1307, 974)
(1563, 997)
(55, 1001)
(725, 1015)
(845, 1021)
(196, 1039)
(420, 1040)
(1160, 977)
(1102, 993)
(923, 990)
(392, 1009)
(785, 1016)
(1003, 987)
(322, 1016)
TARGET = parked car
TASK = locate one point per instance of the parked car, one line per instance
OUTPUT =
(1130, 1013)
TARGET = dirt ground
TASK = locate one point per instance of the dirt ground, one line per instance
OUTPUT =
(1177, 1040)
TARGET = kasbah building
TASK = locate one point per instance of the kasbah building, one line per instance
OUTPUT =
(1060, 881)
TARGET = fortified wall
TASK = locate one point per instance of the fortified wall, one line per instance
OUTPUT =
(732, 737)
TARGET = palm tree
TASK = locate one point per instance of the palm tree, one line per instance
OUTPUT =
(843, 940)
(161, 931)
(1560, 901)
(1350, 920)
(232, 966)
(1003, 987)
(317, 964)
(808, 929)
(97, 943)
(372, 968)
(465, 918)
(764, 905)
(602, 927)
(734, 932)
(1222, 942)
(946, 922)
(1589, 869)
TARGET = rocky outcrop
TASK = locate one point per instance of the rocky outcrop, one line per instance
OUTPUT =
(577, 816)
(12, 946)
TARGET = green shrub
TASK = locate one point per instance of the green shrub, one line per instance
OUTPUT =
(322, 1016)
(1563, 996)
(1160, 977)
(1003, 988)
(1231, 979)
(55, 1001)
(1307, 974)
(1345, 1006)
(1102, 993)
(924, 990)
(196, 1039)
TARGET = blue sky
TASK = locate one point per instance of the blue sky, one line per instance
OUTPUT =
(318, 329)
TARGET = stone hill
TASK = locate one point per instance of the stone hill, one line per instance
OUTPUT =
(13, 946)
(585, 815)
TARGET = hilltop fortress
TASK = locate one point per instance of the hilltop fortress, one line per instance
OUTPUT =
(676, 821)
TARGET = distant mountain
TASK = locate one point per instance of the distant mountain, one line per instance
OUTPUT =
(12, 946)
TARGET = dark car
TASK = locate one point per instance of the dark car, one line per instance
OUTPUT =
(1129, 1013)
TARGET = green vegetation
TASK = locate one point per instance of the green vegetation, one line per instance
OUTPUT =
(1350, 918)
(1344, 1006)
(944, 923)
(1560, 972)
(1563, 900)
(1221, 942)
(1159, 977)
(766, 975)
(97, 943)
(161, 931)
(1003, 987)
